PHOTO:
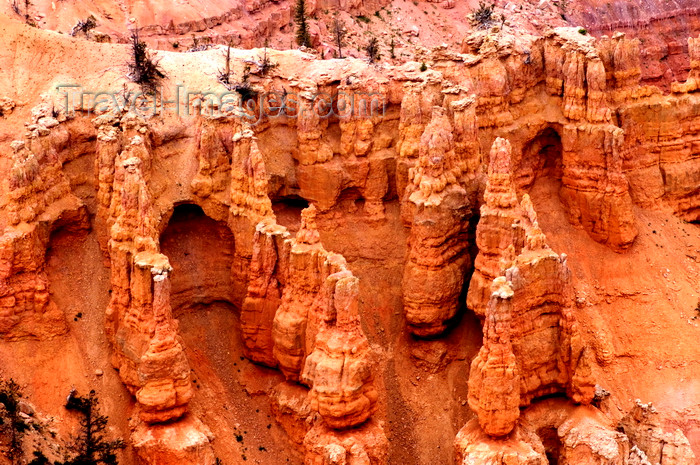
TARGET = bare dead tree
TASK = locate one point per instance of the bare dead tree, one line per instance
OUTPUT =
(224, 75)
(338, 31)
(15, 7)
(266, 64)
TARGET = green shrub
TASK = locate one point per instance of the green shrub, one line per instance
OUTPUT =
(144, 70)
(372, 50)
(483, 15)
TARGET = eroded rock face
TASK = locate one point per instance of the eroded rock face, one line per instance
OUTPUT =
(494, 378)
(149, 357)
(293, 331)
(499, 234)
(692, 83)
(585, 440)
(571, 434)
(520, 447)
(601, 204)
(26, 308)
(613, 143)
(553, 430)
(661, 27)
(301, 315)
(576, 434)
(267, 278)
(532, 346)
(182, 443)
(543, 301)
(38, 202)
(366, 446)
(437, 258)
(338, 369)
(644, 430)
(164, 372)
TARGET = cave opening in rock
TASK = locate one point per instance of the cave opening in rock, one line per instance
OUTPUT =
(200, 251)
(551, 442)
(351, 199)
(472, 248)
(542, 158)
(288, 211)
(472, 251)
(78, 279)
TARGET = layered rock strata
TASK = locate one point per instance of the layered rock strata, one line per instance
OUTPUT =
(39, 202)
(643, 428)
(532, 347)
(295, 324)
(437, 259)
(499, 233)
(148, 354)
(298, 299)
(555, 430)
(301, 315)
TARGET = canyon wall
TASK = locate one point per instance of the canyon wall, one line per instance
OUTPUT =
(462, 149)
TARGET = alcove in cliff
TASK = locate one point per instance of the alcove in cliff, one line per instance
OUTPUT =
(541, 160)
(200, 251)
(551, 442)
(288, 211)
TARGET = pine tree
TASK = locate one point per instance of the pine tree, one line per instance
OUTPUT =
(373, 50)
(91, 446)
(303, 37)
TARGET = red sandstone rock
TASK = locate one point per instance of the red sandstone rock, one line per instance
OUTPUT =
(292, 410)
(644, 430)
(338, 369)
(437, 260)
(576, 434)
(600, 203)
(520, 447)
(364, 446)
(566, 433)
(499, 227)
(38, 202)
(185, 442)
(267, 279)
(692, 83)
(494, 378)
(292, 339)
(533, 346)
(149, 357)
(164, 370)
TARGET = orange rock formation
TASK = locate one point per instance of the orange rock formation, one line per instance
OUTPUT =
(361, 354)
